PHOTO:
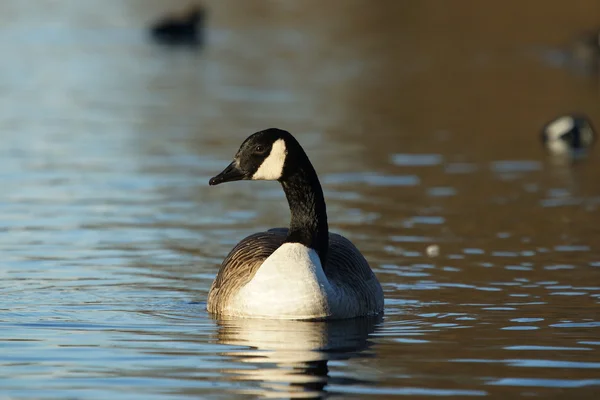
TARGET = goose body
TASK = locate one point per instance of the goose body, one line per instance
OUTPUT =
(293, 275)
(303, 272)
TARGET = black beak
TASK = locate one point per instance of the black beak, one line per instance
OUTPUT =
(229, 174)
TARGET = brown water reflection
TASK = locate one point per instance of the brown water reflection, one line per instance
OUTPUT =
(422, 119)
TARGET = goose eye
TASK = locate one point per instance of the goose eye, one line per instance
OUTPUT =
(259, 148)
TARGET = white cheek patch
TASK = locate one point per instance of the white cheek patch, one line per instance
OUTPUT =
(559, 127)
(272, 167)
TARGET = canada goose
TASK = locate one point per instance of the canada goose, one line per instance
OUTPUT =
(184, 28)
(568, 134)
(303, 272)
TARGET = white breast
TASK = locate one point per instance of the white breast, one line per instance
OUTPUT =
(290, 284)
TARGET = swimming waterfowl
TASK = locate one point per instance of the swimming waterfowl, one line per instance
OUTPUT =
(567, 134)
(184, 28)
(300, 272)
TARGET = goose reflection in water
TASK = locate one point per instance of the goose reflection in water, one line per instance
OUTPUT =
(290, 358)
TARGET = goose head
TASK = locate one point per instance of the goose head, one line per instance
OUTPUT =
(567, 134)
(270, 155)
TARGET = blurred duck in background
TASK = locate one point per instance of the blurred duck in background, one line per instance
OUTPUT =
(585, 52)
(184, 28)
(568, 135)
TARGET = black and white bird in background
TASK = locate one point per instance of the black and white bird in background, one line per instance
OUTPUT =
(571, 134)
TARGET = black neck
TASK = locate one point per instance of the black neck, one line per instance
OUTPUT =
(307, 206)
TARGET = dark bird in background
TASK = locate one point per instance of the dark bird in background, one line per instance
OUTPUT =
(569, 134)
(181, 29)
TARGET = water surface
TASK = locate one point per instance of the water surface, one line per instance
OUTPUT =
(422, 120)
